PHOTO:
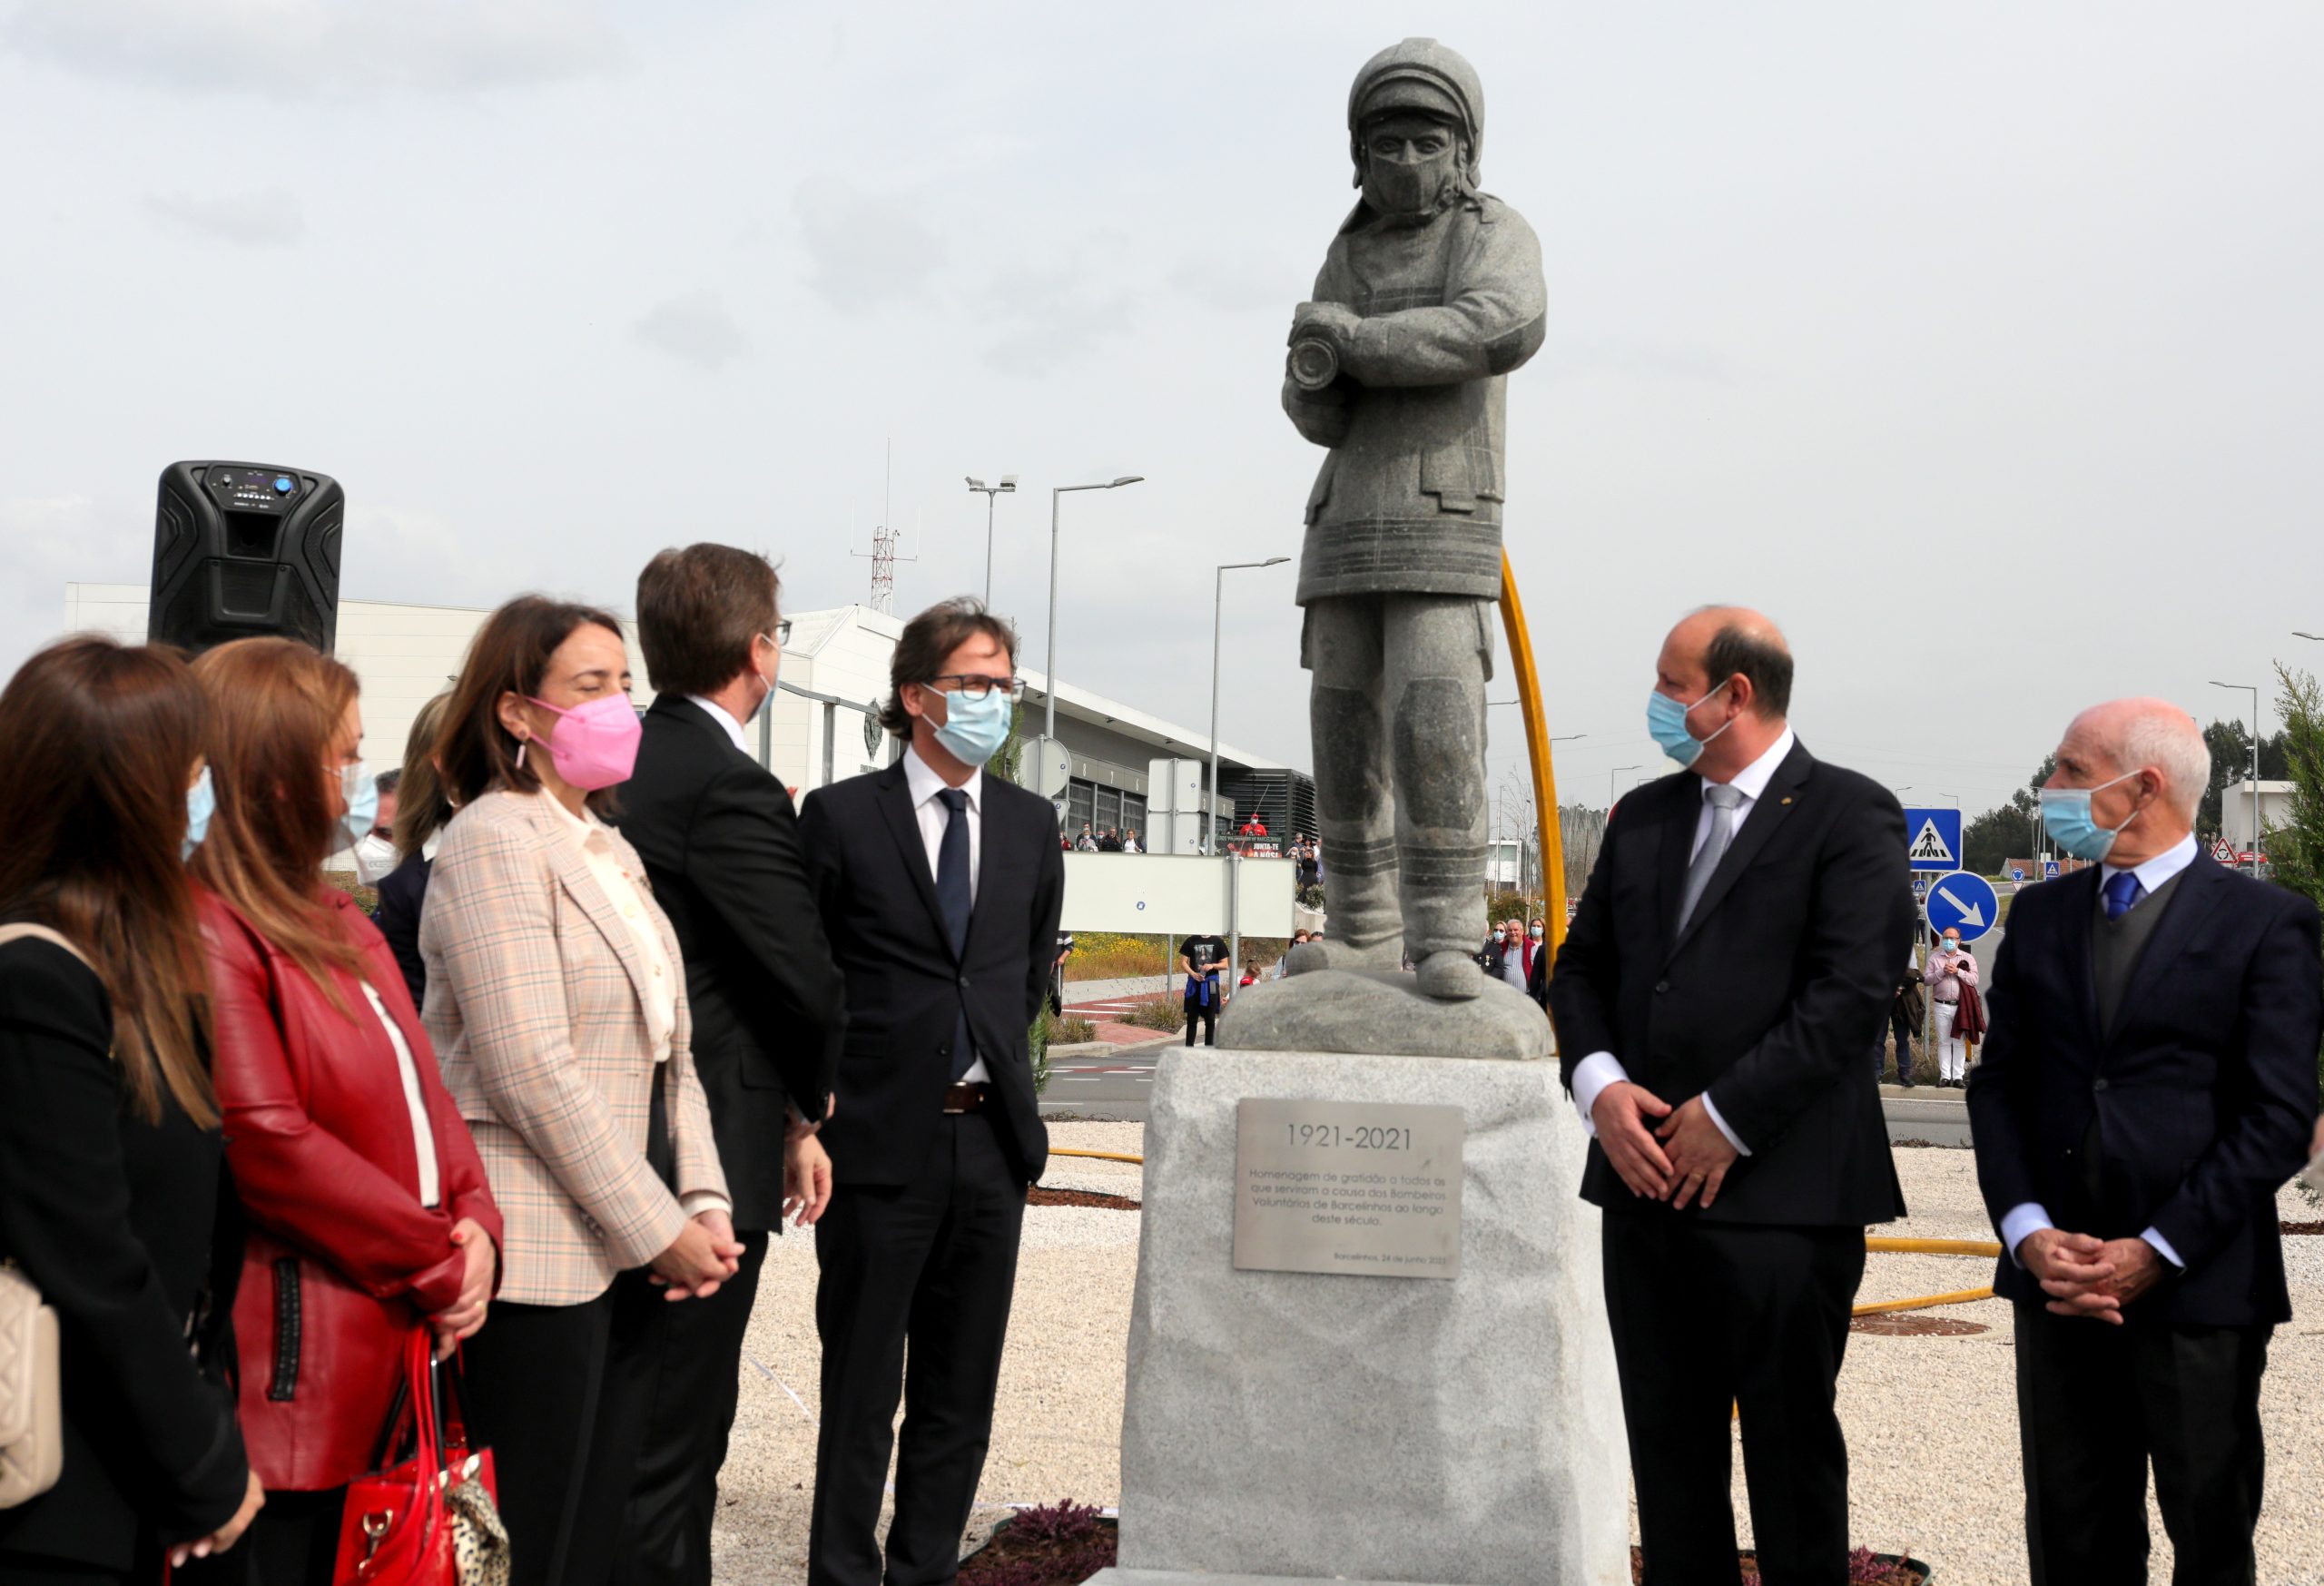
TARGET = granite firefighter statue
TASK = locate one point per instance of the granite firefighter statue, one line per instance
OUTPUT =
(1429, 296)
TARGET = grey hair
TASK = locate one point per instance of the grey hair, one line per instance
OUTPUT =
(2173, 745)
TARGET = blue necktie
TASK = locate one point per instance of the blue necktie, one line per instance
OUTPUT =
(2123, 890)
(952, 897)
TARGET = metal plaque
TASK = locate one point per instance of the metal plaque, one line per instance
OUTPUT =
(1372, 1188)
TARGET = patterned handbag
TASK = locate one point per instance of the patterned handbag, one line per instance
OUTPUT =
(427, 1518)
(32, 1397)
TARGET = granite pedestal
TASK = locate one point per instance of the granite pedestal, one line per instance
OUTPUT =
(1291, 1427)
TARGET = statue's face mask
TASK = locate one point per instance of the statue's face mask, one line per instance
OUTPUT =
(1412, 167)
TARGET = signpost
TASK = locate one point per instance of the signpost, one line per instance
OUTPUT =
(1932, 837)
(2049, 869)
(1963, 902)
(2017, 872)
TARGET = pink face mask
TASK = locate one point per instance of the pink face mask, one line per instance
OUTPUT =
(594, 745)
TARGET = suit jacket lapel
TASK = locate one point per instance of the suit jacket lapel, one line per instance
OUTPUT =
(903, 825)
(2196, 895)
(2081, 974)
(1768, 810)
(1671, 860)
(573, 874)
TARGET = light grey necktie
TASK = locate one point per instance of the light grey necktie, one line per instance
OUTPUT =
(1723, 798)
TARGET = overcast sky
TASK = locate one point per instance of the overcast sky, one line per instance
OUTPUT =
(1980, 347)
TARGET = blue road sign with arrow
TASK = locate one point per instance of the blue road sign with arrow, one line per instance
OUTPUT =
(1932, 837)
(1963, 902)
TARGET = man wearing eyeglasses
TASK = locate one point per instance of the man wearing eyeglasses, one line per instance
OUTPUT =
(940, 888)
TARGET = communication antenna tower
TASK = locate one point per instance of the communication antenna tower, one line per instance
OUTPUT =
(884, 538)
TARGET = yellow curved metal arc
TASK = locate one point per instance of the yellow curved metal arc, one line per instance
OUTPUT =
(1101, 1156)
(1932, 1246)
(1959, 1297)
(1537, 747)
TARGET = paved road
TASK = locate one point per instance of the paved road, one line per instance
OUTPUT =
(1115, 1085)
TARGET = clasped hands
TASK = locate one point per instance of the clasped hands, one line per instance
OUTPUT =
(1683, 1159)
(2086, 1275)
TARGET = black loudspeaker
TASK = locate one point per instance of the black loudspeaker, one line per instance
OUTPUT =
(241, 550)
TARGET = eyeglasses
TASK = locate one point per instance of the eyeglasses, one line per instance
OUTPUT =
(781, 635)
(969, 685)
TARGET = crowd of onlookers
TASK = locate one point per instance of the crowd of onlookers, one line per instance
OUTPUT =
(513, 1149)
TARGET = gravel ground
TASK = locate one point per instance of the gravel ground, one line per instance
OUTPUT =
(1931, 1422)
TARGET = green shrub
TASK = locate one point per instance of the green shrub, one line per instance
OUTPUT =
(1167, 1014)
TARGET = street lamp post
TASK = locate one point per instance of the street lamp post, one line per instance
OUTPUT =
(1007, 486)
(1050, 678)
(1217, 617)
(2254, 689)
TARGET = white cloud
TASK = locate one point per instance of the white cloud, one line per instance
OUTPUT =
(696, 329)
(865, 250)
(270, 218)
(295, 49)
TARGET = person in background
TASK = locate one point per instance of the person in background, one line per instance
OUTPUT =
(1504, 955)
(557, 1000)
(1129, 843)
(721, 846)
(1537, 932)
(1203, 957)
(1297, 939)
(1088, 842)
(368, 1209)
(942, 902)
(1950, 968)
(2148, 1085)
(375, 847)
(421, 813)
(1057, 974)
(111, 1161)
(1905, 1010)
(1111, 842)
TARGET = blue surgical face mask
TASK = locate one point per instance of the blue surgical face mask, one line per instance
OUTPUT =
(1666, 720)
(201, 804)
(975, 729)
(2066, 816)
(361, 791)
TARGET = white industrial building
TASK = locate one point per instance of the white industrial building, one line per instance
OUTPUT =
(406, 655)
(2235, 810)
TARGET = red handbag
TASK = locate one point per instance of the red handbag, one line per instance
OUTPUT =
(426, 1517)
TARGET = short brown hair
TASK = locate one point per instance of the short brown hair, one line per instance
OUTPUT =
(699, 610)
(509, 655)
(928, 639)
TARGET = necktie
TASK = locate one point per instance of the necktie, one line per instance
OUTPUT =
(2123, 889)
(1723, 800)
(952, 897)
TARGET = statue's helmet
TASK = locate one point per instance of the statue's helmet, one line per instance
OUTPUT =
(1419, 74)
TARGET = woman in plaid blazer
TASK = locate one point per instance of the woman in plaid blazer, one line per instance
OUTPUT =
(557, 1002)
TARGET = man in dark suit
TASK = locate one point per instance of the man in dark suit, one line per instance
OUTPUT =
(2148, 1083)
(940, 887)
(721, 846)
(1739, 933)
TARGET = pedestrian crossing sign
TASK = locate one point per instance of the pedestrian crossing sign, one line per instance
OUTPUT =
(1935, 839)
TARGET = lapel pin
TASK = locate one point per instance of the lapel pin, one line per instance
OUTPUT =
(1787, 801)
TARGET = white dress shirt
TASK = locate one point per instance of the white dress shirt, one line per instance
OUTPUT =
(1599, 1070)
(718, 714)
(423, 1139)
(924, 785)
(660, 1000)
(2031, 1216)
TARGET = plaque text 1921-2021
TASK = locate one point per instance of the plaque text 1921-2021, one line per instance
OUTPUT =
(1368, 1188)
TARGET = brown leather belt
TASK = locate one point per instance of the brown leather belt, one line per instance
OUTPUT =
(966, 1097)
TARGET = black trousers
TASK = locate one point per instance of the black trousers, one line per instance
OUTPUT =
(2095, 1403)
(294, 1541)
(1708, 1318)
(674, 1496)
(1206, 1015)
(933, 1262)
(563, 1395)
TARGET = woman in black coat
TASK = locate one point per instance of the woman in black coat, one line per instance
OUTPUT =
(112, 1170)
(421, 813)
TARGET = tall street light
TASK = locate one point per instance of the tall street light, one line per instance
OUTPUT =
(1049, 731)
(2255, 769)
(1610, 783)
(1218, 614)
(1007, 486)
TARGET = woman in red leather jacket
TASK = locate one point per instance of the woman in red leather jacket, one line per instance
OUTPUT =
(368, 1208)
